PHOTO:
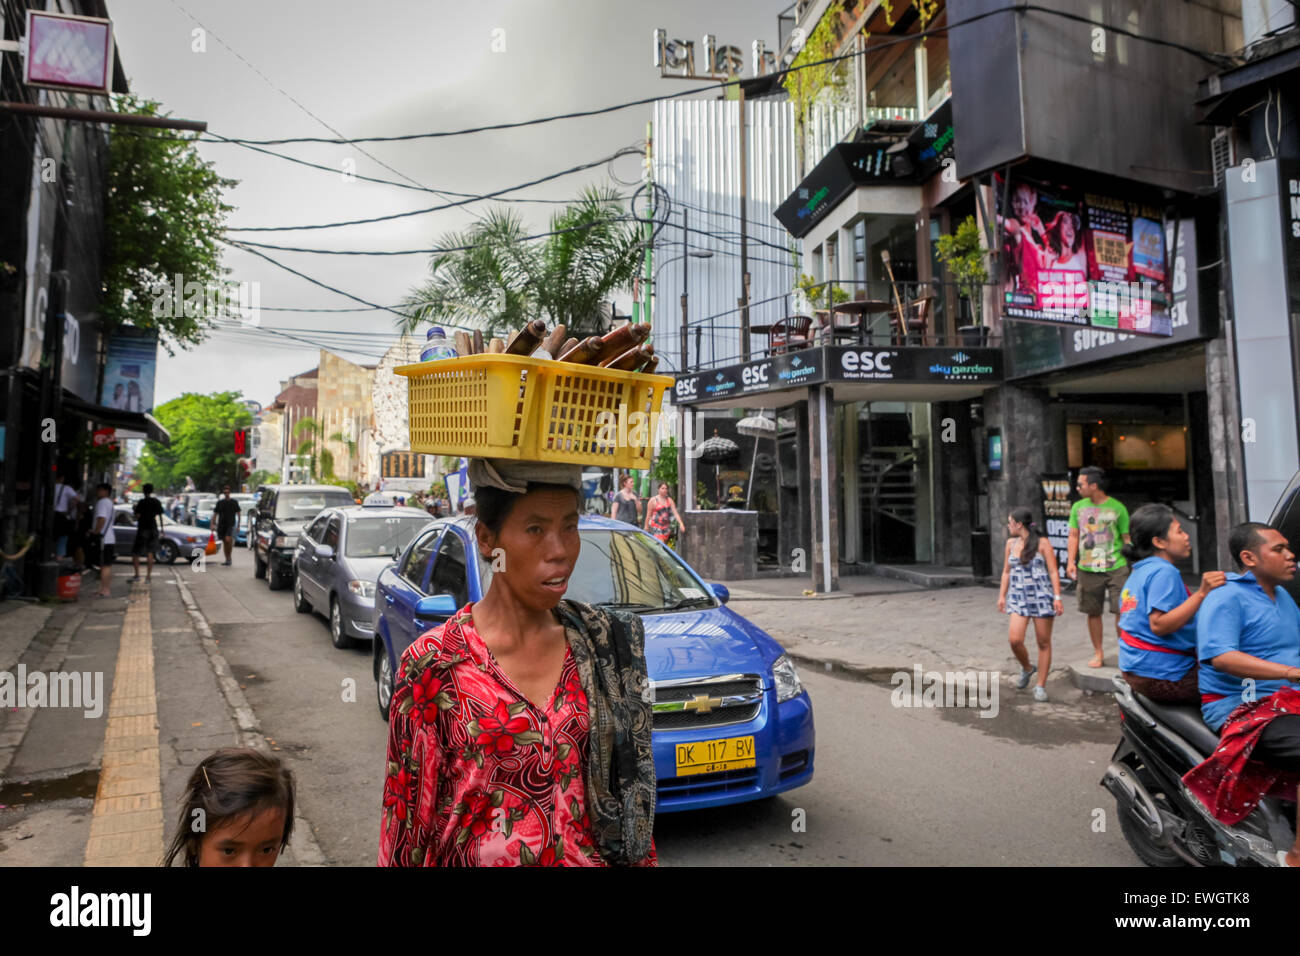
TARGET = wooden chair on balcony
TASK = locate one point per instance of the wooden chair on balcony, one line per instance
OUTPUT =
(792, 332)
(918, 319)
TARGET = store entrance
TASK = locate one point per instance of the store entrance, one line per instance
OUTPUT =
(1154, 448)
(887, 484)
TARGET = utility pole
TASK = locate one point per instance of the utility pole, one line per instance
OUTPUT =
(744, 227)
(686, 258)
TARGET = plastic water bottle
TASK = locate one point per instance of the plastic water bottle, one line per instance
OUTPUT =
(438, 347)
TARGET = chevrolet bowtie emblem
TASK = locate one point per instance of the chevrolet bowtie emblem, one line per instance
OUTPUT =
(702, 703)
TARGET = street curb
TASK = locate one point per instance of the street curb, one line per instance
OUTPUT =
(833, 595)
(1094, 679)
(304, 846)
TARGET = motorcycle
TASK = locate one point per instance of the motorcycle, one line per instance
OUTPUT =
(1162, 821)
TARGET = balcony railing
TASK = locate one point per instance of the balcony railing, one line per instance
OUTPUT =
(874, 314)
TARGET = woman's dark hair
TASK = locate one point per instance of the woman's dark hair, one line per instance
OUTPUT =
(495, 504)
(231, 783)
(1030, 548)
(1053, 233)
(1144, 526)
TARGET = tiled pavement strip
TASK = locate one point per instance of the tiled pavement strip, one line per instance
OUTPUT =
(126, 827)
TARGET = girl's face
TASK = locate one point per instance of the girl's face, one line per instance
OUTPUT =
(1067, 234)
(663, 490)
(1014, 526)
(244, 841)
(540, 542)
(1177, 542)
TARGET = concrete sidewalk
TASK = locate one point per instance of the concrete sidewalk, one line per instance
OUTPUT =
(877, 626)
(103, 789)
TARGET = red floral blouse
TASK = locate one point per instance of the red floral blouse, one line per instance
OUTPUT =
(478, 775)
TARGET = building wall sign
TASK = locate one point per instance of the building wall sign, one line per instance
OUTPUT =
(845, 167)
(1081, 258)
(1034, 347)
(830, 364)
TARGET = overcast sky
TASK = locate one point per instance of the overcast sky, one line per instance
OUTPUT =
(390, 67)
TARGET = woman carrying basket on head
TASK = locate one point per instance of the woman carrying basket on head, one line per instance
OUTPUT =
(520, 729)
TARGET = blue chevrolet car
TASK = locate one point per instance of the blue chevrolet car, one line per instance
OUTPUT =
(732, 722)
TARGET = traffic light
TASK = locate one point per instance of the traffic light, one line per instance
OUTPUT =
(241, 441)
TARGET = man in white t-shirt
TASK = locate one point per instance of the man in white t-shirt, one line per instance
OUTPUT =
(65, 500)
(102, 525)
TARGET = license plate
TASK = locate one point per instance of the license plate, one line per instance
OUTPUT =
(714, 756)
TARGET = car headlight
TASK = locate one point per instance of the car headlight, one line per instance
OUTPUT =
(285, 541)
(787, 679)
(191, 539)
(365, 589)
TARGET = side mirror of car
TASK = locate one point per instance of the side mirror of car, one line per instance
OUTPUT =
(721, 592)
(324, 551)
(436, 605)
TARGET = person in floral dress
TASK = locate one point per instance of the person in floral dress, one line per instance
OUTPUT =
(519, 730)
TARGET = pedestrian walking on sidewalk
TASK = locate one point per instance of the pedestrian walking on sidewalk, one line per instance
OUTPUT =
(237, 810)
(1031, 590)
(102, 539)
(520, 730)
(1098, 532)
(627, 503)
(1157, 638)
(147, 512)
(225, 515)
(660, 512)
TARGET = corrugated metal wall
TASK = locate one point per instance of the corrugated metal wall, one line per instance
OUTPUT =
(697, 161)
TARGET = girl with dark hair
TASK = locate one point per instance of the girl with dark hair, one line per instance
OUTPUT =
(1157, 624)
(1064, 237)
(520, 730)
(237, 811)
(1031, 589)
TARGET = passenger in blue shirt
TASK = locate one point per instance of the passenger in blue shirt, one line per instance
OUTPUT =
(1248, 639)
(1157, 624)
(1248, 642)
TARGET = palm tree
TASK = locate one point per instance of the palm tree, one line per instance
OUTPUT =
(307, 446)
(497, 282)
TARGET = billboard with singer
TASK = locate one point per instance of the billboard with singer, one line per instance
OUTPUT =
(1081, 258)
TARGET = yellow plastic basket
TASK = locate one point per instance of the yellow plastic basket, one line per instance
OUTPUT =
(531, 409)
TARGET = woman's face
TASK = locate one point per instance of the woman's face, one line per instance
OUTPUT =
(1177, 542)
(1014, 526)
(663, 489)
(1067, 234)
(539, 543)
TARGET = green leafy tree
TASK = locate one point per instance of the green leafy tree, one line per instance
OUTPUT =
(262, 477)
(496, 281)
(203, 445)
(163, 217)
(963, 256)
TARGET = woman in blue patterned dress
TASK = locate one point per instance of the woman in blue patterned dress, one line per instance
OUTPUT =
(1031, 588)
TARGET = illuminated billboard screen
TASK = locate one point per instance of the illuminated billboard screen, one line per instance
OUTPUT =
(69, 53)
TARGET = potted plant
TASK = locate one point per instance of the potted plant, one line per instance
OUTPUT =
(963, 257)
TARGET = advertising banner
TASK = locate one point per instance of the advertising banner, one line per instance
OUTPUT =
(1056, 488)
(1081, 258)
(129, 370)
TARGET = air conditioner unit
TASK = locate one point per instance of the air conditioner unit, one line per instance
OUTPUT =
(1223, 152)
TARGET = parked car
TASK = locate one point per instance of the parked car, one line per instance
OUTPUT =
(283, 513)
(721, 684)
(174, 540)
(1286, 518)
(340, 555)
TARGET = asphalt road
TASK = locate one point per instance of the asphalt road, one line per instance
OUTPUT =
(893, 786)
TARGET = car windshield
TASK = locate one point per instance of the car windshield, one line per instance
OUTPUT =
(307, 504)
(631, 570)
(374, 536)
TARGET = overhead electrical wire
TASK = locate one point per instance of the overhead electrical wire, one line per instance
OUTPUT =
(1217, 60)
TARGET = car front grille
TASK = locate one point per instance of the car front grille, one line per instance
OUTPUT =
(711, 702)
(671, 790)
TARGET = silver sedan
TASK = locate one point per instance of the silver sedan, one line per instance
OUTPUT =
(338, 560)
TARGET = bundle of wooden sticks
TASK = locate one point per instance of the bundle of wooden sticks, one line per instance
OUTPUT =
(624, 348)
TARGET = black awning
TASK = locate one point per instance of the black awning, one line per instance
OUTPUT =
(116, 418)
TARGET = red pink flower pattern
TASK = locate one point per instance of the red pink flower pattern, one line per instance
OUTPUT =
(477, 775)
